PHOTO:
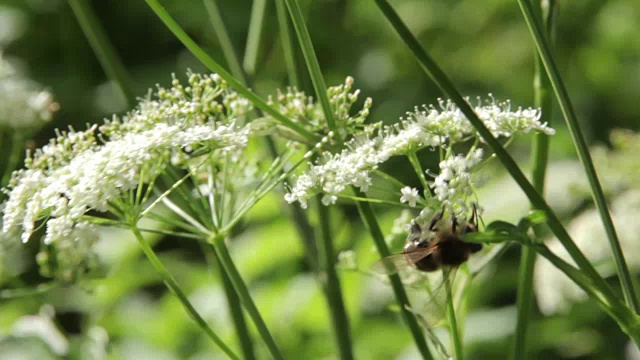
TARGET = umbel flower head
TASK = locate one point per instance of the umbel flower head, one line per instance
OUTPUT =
(95, 169)
(300, 108)
(23, 102)
(424, 127)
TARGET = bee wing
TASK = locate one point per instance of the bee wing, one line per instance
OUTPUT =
(396, 263)
(431, 301)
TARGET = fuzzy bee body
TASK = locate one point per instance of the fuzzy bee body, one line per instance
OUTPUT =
(437, 246)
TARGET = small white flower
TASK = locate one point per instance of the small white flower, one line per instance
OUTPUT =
(409, 195)
(329, 200)
(455, 182)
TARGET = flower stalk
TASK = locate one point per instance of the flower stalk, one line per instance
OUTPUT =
(171, 283)
(233, 302)
(454, 329)
(287, 43)
(229, 52)
(371, 223)
(331, 283)
(239, 285)
(304, 39)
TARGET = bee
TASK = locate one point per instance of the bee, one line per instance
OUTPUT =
(439, 247)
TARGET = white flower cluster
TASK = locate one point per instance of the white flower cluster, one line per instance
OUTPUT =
(429, 127)
(23, 103)
(76, 173)
(455, 182)
(299, 107)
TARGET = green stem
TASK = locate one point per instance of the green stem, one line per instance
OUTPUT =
(212, 65)
(415, 163)
(223, 37)
(442, 81)
(524, 302)
(245, 296)
(256, 26)
(304, 39)
(300, 219)
(375, 201)
(287, 43)
(371, 223)
(331, 283)
(103, 48)
(233, 302)
(454, 331)
(17, 148)
(540, 157)
(177, 291)
(583, 151)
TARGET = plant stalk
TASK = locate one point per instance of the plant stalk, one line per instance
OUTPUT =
(256, 26)
(103, 48)
(454, 330)
(304, 39)
(331, 283)
(371, 223)
(300, 219)
(245, 297)
(171, 283)
(540, 157)
(582, 149)
(287, 43)
(229, 52)
(233, 303)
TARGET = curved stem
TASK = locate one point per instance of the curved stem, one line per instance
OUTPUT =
(243, 292)
(177, 291)
(583, 152)
(371, 223)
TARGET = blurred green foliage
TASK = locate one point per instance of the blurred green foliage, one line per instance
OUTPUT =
(484, 46)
